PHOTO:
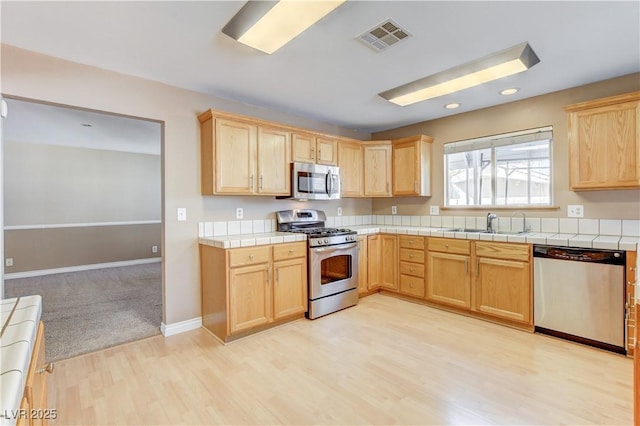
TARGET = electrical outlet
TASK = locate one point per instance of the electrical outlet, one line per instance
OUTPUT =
(239, 213)
(8, 261)
(154, 249)
(339, 211)
(182, 214)
(394, 210)
(434, 210)
(575, 210)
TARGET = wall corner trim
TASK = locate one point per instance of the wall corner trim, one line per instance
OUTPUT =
(180, 327)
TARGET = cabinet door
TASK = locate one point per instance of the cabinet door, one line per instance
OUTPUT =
(362, 264)
(377, 171)
(406, 168)
(36, 384)
(235, 157)
(449, 279)
(374, 277)
(503, 289)
(289, 287)
(351, 162)
(303, 148)
(388, 262)
(326, 151)
(274, 175)
(604, 147)
(249, 301)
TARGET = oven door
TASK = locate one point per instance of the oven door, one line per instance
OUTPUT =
(334, 269)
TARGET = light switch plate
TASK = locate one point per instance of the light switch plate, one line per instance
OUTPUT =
(339, 211)
(182, 214)
(394, 209)
(434, 210)
(239, 213)
(8, 261)
(575, 210)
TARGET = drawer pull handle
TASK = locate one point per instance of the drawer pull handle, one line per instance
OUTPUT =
(410, 241)
(410, 256)
(251, 257)
(410, 285)
(48, 368)
(290, 251)
(410, 269)
(446, 245)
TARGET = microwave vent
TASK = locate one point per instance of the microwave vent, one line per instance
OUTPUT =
(383, 35)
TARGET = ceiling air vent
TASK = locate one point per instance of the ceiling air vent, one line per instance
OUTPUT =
(384, 35)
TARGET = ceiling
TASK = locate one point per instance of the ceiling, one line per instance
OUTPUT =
(78, 128)
(325, 73)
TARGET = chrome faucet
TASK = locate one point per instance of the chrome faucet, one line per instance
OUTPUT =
(525, 228)
(490, 218)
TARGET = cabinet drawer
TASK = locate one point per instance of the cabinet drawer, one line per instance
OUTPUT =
(412, 285)
(507, 251)
(412, 242)
(410, 255)
(415, 269)
(249, 256)
(448, 245)
(289, 251)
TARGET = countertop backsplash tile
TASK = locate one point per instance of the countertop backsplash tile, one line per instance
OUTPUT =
(610, 227)
(589, 226)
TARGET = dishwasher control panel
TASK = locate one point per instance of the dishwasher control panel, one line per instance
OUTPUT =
(612, 257)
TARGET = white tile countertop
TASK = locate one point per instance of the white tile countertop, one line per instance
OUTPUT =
(558, 239)
(20, 318)
(248, 240)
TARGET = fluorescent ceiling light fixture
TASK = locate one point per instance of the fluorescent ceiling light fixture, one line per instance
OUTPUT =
(511, 91)
(493, 67)
(269, 25)
(452, 105)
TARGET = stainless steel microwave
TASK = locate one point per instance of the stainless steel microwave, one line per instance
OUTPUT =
(315, 181)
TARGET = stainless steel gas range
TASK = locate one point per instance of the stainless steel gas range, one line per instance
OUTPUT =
(333, 260)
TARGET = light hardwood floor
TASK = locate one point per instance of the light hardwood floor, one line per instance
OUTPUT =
(385, 361)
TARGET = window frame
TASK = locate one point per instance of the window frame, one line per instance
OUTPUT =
(492, 143)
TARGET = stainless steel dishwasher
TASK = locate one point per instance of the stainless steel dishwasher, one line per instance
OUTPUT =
(579, 294)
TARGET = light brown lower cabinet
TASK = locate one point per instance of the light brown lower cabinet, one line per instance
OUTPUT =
(251, 288)
(449, 272)
(502, 283)
(34, 410)
(363, 263)
(382, 259)
(411, 254)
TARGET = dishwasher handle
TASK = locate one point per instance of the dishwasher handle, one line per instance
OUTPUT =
(610, 257)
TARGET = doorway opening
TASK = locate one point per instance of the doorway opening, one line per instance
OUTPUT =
(83, 222)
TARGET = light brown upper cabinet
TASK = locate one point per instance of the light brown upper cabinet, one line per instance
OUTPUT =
(377, 169)
(240, 157)
(604, 143)
(351, 162)
(412, 166)
(309, 148)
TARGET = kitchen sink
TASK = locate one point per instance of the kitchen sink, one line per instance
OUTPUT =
(484, 231)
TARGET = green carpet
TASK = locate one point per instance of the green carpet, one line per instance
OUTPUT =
(92, 310)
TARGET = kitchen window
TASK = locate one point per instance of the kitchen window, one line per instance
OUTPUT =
(512, 169)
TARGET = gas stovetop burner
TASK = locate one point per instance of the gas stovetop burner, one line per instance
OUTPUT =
(322, 232)
(312, 223)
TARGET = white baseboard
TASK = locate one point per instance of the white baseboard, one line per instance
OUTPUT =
(40, 272)
(180, 327)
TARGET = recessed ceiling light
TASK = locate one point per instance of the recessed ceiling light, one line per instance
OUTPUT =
(452, 106)
(511, 91)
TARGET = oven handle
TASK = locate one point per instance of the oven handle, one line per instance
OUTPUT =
(334, 248)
